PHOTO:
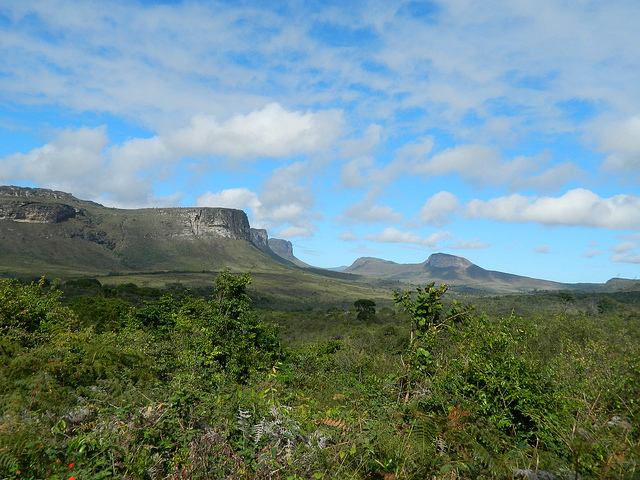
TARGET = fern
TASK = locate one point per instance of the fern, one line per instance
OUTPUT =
(8, 463)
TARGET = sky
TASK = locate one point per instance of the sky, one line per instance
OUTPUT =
(503, 131)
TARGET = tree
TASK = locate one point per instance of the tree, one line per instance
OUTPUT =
(426, 324)
(366, 309)
(220, 336)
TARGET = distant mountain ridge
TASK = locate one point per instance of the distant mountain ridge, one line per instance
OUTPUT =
(50, 232)
(463, 275)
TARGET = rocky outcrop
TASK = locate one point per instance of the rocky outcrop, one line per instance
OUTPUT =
(282, 248)
(13, 191)
(99, 237)
(260, 239)
(444, 260)
(37, 213)
(205, 222)
(40, 205)
(36, 205)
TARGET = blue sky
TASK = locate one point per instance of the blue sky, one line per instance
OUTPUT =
(506, 132)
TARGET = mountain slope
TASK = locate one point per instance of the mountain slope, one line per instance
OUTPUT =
(455, 271)
(48, 232)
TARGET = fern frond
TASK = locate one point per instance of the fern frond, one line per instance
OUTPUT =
(8, 462)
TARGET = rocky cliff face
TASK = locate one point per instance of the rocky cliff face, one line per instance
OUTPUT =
(37, 213)
(283, 248)
(205, 222)
(40, 205)
(13, 191)
(444, 260)
(260, 239)
(36, 205)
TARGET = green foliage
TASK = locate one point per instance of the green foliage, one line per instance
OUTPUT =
(182, 385)
(28, 310)
(366, 309)
(427, 323)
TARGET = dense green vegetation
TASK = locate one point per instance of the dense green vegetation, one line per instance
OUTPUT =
(122, 381)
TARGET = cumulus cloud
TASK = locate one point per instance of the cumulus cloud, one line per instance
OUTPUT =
(269, 132)
(418, 150)
(367, 211)
(393, 235)
(437, 209)
(474, 244)
(353, 172)
(624, 247)
(622, 140)
(282, 201)
(591, 253)
(578, 207)
(348, 236)
(363, 171)
(85, 162)
(240, 198)
(73, 157)
(357, 147)
(474, 161)
(483, 165)
(625, 258)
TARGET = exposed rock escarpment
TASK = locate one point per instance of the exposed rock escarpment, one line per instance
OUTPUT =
(37, 205)
(444, 260)
(37, 213)
(283, 248)
(260, 239)
(205, 222)
(40, 205)
(13, 191)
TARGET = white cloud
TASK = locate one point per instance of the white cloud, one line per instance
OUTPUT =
(269, 132)
(81, 162)
(483, 166)
(437, 209)
(366, 211)
(139, 154)
(625, 258)
(622, 139)
(591, 253)
(624, 247)
(240, 198)
(474, 244)
(291, 232)
(358, 147)
(474, 161)
(348, 236)
(71, 159)
(417, 151)
(393, 235)
(542, 249)
(282, 201)
(352, 174)
(578, 207)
